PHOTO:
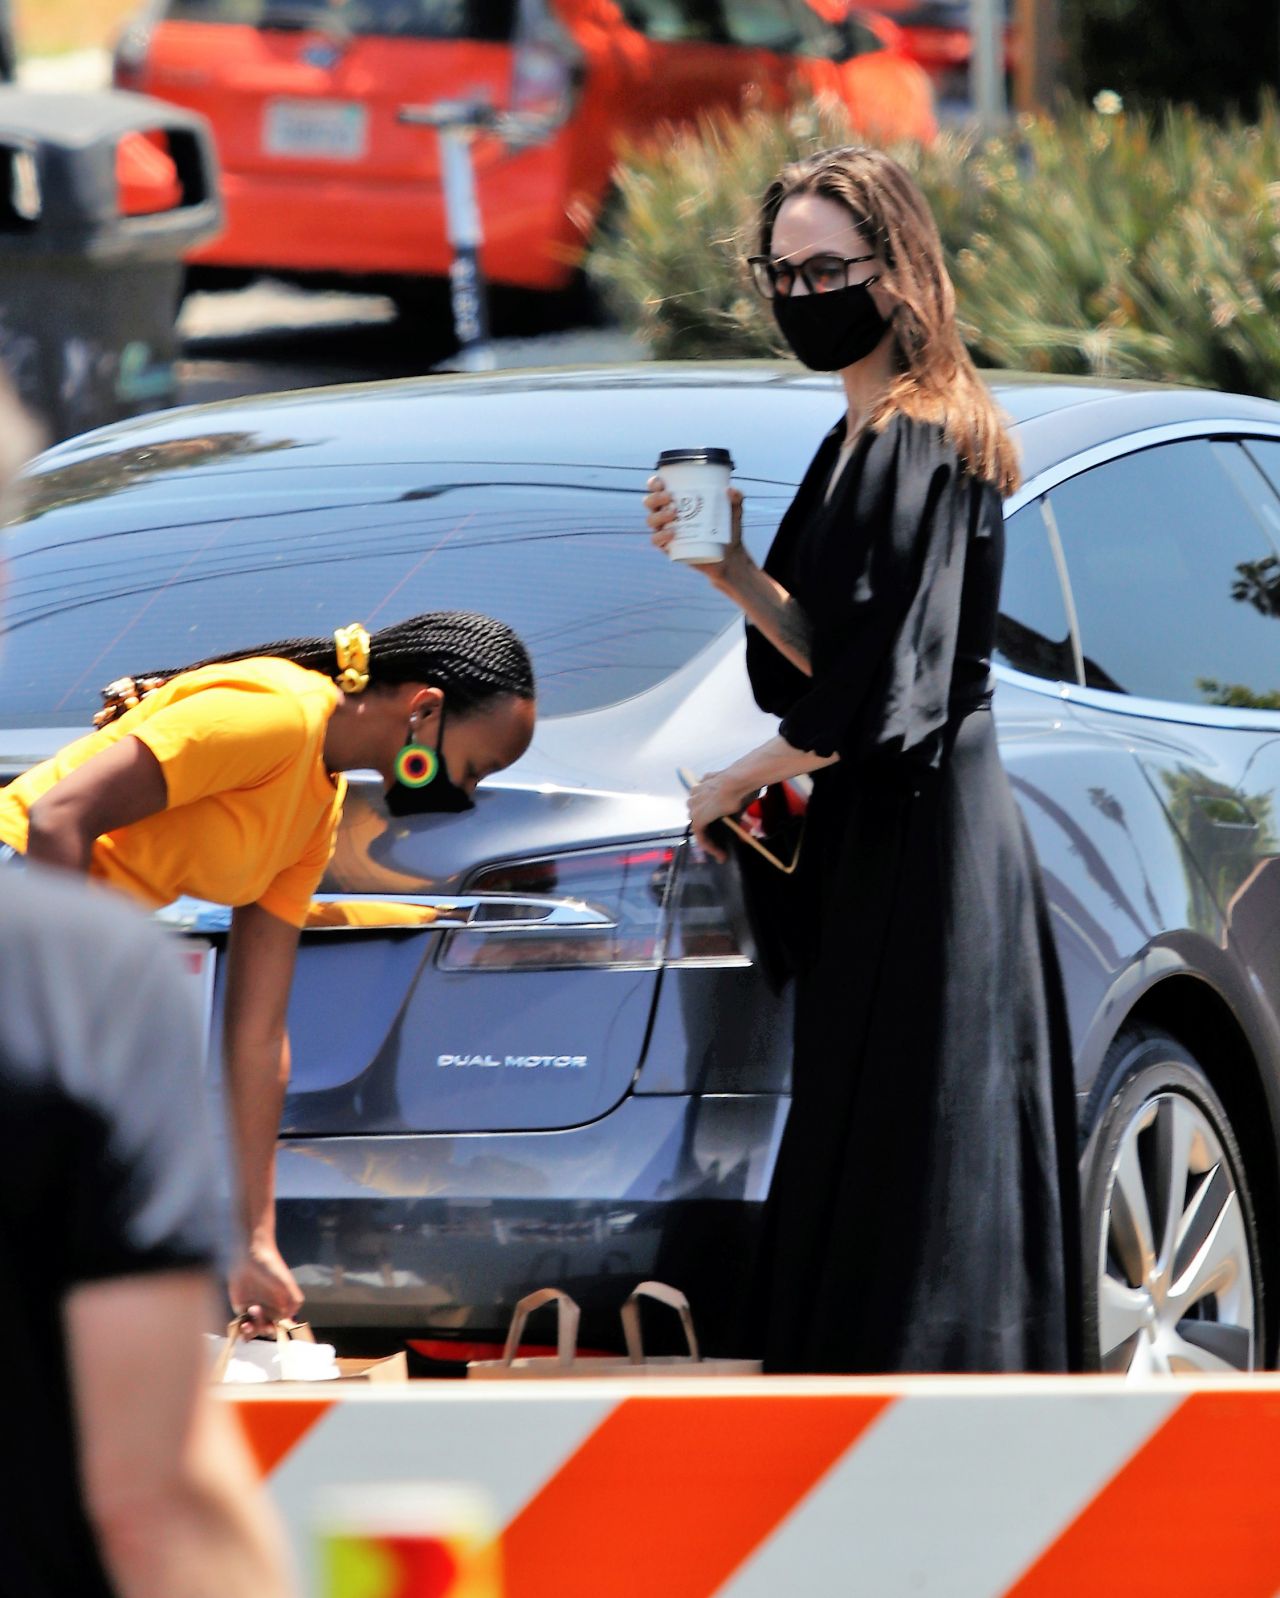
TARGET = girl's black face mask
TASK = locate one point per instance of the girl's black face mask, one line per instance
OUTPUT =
(830, 331)
(440, 797)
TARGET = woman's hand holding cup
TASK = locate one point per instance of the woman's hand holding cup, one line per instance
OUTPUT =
(686, 518)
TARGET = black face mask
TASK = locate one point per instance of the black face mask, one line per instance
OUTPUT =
(440, 797)
(830, 331)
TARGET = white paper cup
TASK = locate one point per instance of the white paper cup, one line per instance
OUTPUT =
(698, 482)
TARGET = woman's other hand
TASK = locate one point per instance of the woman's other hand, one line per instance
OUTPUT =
(262, 1289)
(660, 511)
(710, 800)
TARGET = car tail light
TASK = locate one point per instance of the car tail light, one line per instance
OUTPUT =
(631, 886)
(147, 175)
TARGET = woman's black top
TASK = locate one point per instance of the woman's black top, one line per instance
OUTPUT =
(899, 576)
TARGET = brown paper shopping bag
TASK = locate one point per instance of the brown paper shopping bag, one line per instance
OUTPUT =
(566, 1363)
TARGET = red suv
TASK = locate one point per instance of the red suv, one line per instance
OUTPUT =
(323, 179)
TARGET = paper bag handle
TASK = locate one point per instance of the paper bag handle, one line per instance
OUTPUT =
(286, 1331)
(662, 1294)
(567, 1317)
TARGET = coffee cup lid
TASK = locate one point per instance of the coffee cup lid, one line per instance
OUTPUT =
(696, 457)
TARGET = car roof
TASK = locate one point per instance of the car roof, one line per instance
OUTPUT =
(610, 416)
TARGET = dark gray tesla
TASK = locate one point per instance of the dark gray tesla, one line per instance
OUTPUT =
(576, 1076)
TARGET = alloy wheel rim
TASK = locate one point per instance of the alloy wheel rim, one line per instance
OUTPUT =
(1175, 1283)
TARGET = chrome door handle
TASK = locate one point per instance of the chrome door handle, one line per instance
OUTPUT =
(473, 912)
(408, 912)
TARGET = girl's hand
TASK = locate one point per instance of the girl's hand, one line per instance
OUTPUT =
(262, 1289)
(710, 800)
(660, 510)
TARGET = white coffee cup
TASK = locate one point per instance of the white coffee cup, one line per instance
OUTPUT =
(698, 482)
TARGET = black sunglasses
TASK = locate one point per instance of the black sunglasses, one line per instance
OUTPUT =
(820, 274)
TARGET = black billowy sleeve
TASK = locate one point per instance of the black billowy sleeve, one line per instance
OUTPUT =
(881, 687)
(775, 682)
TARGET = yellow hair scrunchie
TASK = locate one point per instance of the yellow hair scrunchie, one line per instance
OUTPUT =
(352, 645)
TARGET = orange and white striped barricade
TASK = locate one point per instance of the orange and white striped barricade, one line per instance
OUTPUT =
(931, 1487)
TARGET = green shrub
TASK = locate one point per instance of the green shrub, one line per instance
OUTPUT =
(1121, 245)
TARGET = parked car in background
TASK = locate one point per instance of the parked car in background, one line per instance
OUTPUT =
(936, 34)
(323, 182)
(529, 1044)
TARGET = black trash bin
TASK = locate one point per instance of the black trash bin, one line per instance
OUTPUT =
(101, 196)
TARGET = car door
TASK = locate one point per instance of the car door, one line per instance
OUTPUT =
(1084, 799)
(1174, 576)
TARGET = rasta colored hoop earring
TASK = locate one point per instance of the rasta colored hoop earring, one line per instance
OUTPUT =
(416, 766)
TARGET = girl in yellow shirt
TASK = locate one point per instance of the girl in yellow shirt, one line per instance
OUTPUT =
(220, 781)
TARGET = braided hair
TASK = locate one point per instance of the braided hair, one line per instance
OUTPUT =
(473, 658)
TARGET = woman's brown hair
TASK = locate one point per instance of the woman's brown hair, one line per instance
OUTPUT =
(937, 381)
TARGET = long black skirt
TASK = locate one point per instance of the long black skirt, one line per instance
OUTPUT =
(923, 1214)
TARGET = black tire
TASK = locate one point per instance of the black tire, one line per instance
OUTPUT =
(1152, 1096)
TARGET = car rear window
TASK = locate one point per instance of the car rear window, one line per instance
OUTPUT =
(126, 566)
(484, 20)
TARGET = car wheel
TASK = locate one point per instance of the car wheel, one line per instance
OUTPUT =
(1172, 1276)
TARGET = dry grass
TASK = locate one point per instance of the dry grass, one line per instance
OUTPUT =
(46, 27)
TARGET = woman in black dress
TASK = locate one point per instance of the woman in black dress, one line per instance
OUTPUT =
(923, 1212)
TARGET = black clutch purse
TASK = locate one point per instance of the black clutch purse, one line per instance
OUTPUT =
(772, 826)
(763, 843)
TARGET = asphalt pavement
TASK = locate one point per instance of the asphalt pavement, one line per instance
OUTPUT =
(270, 337)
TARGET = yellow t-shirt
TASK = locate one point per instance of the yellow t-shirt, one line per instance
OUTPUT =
(252, 810)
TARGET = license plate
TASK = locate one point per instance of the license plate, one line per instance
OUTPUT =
(316, 130)
(197, 959)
